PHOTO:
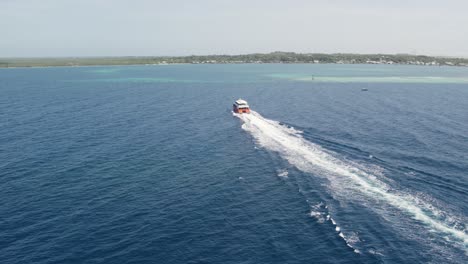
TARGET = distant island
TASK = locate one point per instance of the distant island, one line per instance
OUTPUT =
(274, 57)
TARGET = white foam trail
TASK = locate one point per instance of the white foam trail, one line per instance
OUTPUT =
(283, 173)
(345, 177)
(317, 213)
(322, 216)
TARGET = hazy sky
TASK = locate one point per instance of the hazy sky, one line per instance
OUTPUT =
(178, 27)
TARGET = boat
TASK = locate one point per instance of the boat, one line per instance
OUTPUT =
(241, 107)
(364, 89)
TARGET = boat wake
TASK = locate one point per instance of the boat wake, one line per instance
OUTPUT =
(350, 180)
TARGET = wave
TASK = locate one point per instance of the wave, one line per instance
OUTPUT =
(351, 180)
(320, 213)
(283, 173)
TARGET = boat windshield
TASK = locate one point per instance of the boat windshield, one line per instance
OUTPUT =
(241, 102)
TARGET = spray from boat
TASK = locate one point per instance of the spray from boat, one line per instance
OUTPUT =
(347, 180)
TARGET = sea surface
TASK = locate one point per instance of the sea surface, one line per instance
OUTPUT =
(147, 164)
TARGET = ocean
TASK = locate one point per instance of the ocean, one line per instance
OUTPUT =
(148, 164)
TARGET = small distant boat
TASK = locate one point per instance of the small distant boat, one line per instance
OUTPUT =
(364, 89)
(241, 107)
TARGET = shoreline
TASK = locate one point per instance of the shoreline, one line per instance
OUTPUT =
(241, 63)
(256, 58)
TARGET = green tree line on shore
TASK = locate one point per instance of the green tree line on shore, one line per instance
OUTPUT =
(274, 57)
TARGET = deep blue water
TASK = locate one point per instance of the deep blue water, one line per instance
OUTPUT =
(147, 164)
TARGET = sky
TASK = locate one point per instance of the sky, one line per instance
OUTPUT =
(64, 28)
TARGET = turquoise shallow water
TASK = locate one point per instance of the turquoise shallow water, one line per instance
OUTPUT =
(147, 164)
(374, 79)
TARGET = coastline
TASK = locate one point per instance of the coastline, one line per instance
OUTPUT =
(268, 58)
(240, 63)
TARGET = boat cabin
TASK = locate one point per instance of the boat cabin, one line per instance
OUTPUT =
(241, 106)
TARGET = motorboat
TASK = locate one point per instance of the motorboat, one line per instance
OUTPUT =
(241, 107)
